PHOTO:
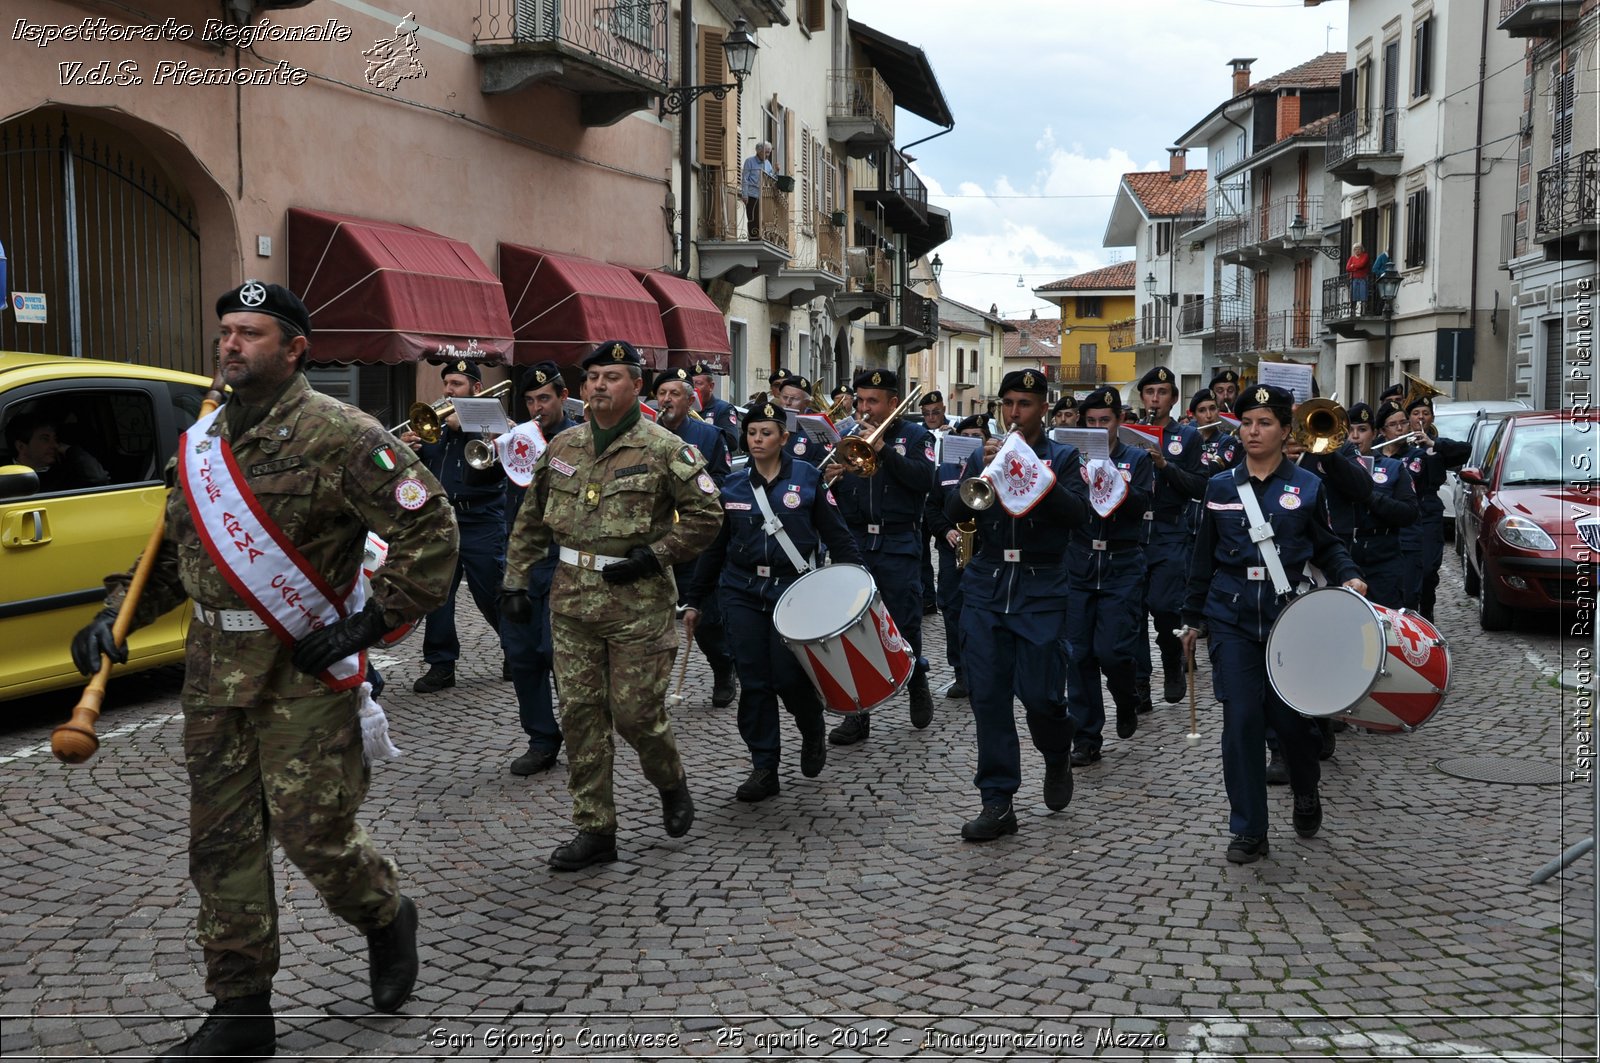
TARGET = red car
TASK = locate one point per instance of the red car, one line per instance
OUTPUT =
(1531, 518)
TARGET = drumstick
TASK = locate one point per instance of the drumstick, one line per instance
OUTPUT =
(1193, 737)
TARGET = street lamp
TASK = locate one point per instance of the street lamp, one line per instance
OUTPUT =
(1297, 228)
(1150, 284)
(937, 266)
(739, 49)
(1388, 285)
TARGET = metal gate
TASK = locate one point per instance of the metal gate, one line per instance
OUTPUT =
(95, 226)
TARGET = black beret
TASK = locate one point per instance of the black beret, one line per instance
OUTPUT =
(1392, 391)
(930, 398)
(1159, 375)
(614, 352)
(1224, 376)
(1065, 402)
(1203, 395)
(274, 300)
(1385, 411)
(976, 420)
(765, 411)
(794, 380)
(1420, 400)
(1029, 381)
(462, 367)
(537, 376)
(667, 376)
(701, 369)
(887, 379)
(1280, 399)
(840, 390)
(779, 375)
(1361, 413)
(1103, 398)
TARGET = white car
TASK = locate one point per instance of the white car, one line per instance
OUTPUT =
(1454, 421)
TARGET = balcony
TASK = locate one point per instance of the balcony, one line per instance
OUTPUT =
(1347, 317)
(1082, 374)
(1537, 18)
(1296, 331)
(1262, 233)
(915, 328)
(898, 192)
(817, 268)
(860, 112)
(1155, 328)
(1215, 317)
(1364, 146)
(1564, 205)
(867, 283)
(1121, 335)
(727, 249)
(611, 53)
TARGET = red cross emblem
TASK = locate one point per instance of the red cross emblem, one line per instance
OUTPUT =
(1014, 468)
(521, 447)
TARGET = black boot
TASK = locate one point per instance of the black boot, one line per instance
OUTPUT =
(677, 809)
(584, 849)
(240, 1028)
(1173, 679)
(1058, 783)
(762, 784)
(1142, 692)
(855, 728)
(995, 821)
(392, 959)
(1128, 715)
(813, 748)
(724, 688)
(439, 676)
(921, 700)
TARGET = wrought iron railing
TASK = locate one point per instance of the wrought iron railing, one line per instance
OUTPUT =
(630, 35)
(895, 175)
(1270, 221)
(1155, 323)
(1558, 11)
(867, 272)
(1365, 132)
(1281, 330)
(1341, 301)
(830, 244)
(1121, 335)
(917, 312)
(1566, 195)
(1211, 314)
(722, 215)
(861, 94)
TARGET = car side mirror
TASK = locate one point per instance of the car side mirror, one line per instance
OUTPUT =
(1473, 476)
(18, 481)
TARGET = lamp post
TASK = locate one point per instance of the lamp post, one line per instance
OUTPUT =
(937, 266)
(739, 47)
(1388, 285)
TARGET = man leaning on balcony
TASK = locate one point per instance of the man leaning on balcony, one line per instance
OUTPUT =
(750, 176)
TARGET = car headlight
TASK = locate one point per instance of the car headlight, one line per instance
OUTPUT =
(1524, 534)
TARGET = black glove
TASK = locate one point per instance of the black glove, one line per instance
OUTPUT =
(639, 564)
(322, 648)
(94, 640)
(516, 607)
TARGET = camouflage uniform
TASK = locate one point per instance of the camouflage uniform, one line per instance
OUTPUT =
(614, 644)
(267, 747)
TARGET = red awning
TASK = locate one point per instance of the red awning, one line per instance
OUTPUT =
(695, 328)
(563, 307)
(381, 292)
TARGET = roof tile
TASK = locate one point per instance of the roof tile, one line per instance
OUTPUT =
(1162, 197)
(1117, 275)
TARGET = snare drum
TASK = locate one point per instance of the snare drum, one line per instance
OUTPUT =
(837, 627)
(1333, 653)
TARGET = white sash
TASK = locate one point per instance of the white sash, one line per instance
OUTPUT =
(774, 527)
(255, 557)
(1261, 533)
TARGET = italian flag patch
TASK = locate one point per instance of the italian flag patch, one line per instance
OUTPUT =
(383, 457)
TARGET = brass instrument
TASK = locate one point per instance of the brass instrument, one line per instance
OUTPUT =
(858, 453)
(1320, 425)
(977, 492)
(966, 542)
(1417, 388)
(481, 453)
(838, 409)
(428, 421)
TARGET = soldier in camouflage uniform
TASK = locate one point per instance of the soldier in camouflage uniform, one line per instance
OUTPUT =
(271, 753)
(607, 491)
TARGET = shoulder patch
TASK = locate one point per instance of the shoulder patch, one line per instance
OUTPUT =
(687, 463)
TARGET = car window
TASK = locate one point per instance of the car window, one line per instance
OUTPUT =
(1482, 434)
(186, 400)
(1454, 425)
(82, 439)
(1493, 451)
(1542, 453)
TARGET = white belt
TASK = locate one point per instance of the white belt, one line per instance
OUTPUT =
(229, 619)
(584, 559)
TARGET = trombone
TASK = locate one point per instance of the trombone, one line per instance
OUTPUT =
(428, 421)
(858, 453)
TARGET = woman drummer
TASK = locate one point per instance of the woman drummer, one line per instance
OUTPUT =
(750, 569)
(1234, 598)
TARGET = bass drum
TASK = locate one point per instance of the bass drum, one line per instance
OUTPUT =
(836, 625)
(1332, 653)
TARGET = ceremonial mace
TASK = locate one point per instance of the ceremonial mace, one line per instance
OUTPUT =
(1193, 737)
(75, 741)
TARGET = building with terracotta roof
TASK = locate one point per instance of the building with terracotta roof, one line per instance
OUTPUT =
(1034, 344)
(964, 364)
(1089, 303)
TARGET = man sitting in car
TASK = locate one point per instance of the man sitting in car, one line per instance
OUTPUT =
(32, 440)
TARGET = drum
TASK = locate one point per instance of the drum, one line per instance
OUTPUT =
(837, 627)
(1332, 653)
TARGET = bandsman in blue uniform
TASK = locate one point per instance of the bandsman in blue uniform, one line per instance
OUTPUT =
(946, 539)
(1064, 414)
(1105, 575)
(674, 396)
(1232, 599)
(749, 568)
(794, 394)
(1372, 532)
(719, 413)
(1434, 461)
(884, 512)
(1224, 387)
(934, 420)
(1014, 612)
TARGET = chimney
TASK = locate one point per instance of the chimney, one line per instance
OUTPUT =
(1288, 115)
(1241, 74)
(1175, 163)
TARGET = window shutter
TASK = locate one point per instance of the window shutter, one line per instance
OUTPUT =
(712, 120)
(1347, 92)
(788, 163)
(806, 171)
(830, 189)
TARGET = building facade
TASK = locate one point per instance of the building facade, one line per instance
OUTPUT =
(1089, 304)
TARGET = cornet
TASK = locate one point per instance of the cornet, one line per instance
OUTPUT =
(978, 492)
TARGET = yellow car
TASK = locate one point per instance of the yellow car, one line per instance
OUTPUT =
(83, 446)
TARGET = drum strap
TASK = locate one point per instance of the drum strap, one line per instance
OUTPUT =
(774, 527)
(1261, 534)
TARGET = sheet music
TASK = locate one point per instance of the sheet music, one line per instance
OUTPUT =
(818, 429)
(573, 408)
(1135, 438)
(1290, 376)
(1091, 442)
(954, 449)
(482, 415)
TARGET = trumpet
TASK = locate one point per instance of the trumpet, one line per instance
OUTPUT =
(481, 454)
(978, 492)
(858, 453)
(428, 421)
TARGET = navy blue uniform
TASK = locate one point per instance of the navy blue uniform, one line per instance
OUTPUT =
(478, 497)
(803, 449)
(1231, 594)
(1371, 529)
(724, 417)
(884, 512)
(1013, 615)
(1168, 541)
(748, 571)
(710, 634)
(946, 478)
(527, 646)
(1423, 543)
(1219, 452)
(1105, 627)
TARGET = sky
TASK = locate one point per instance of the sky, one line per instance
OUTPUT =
(1054, 100)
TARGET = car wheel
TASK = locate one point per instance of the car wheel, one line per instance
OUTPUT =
(1469, 577)
(1493, 615)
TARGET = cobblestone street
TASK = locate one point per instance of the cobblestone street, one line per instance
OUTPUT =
(845, 917)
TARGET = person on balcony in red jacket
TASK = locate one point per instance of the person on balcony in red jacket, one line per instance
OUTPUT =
(1359, 269)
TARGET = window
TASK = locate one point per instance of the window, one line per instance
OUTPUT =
(1088, 306)
(1422, 57)
(630, 20)
(1563, 90)
(961, 365)
(1088, 353)
(813, 15)
(1160, 238)
(974, 363)
(711, 124)
(1417, 228)
(82, 439)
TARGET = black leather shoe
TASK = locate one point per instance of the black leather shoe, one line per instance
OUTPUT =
(534, 761)
(1058, 783)
(1082, 757)
(855, 728)
(240, 1028)
(813, 749)
(505, 671)
(1277, 771)
(1141, 688)
(762, 784)
(724, 688)
(1244, 850)
(1128, 718)
(1174, 682)
(439, 676)
(995, 821)
(583, 850)
(956, 690)
(677, 809)
(921, 701)
(1307, 814)
(392, 959)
